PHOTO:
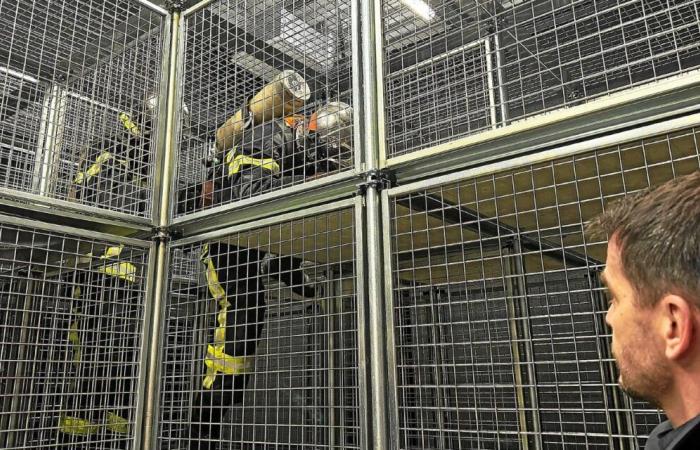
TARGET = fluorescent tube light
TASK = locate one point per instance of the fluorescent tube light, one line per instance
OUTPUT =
(19, 75)
(421, 8)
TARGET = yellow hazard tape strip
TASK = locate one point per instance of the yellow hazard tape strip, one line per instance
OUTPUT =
(124, 270)
(216, 360)
(129, 124)
(235, 162)
(219, 362)
(83, 427)
(96, 168)
(74, 339)
(77, 426)
(117, 423)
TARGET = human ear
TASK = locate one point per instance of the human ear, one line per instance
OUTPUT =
(677, 325)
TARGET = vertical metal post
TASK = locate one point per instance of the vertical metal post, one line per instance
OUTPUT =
(502, 96)
(332, 306)
(438, 370)
(44, 121)
(489, 80)
(149, 416)
(517, 305)
(389, 296)
(370, 21)
(362, 323)
(355, 41)
(373, 66)
(161, 261)
(19, 369)
(145, 349)
(53, 116)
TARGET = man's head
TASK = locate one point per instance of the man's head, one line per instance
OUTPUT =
(653, 276)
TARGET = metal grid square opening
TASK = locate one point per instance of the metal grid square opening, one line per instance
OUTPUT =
(71, 315)
(456, 68)
(500, 339)
(267, 99)
(260, 346)
(79, 85)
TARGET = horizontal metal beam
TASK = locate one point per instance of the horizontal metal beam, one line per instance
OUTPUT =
(67, 213)
(152, 6)
(633, 133)
(332, 188)
(632, 108)
(491, 227)
(73, 231)
(265, 221)
(455, 248)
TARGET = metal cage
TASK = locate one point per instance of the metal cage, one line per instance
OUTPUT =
(499, 338)
(262, 84)
(79, 90)
(323, 224)
(454, 68)
(261, 338)
(72, 314)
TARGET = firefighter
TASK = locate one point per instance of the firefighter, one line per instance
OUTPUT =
(101, 353)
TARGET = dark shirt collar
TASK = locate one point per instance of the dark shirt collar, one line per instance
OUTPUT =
(665, 437)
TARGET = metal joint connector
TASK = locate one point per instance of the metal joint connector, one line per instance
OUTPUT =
(175, 5)
(162, 234)
(378, 179)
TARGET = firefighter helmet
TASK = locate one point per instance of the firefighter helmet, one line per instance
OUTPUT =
(332, 123)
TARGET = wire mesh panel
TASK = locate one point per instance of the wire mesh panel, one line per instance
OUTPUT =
(454, 68)
(71, 315)
(79, 85)
(261, 340)
(267, 99)
(500, 339)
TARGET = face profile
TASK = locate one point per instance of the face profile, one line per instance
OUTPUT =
(652, 272)
(639, 357)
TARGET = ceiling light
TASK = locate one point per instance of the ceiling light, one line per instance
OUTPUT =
(19, 75)
(421, 8)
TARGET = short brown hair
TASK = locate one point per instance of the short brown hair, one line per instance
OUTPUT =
(658, 232)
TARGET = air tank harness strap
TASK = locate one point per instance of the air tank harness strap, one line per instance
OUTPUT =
(217, 361)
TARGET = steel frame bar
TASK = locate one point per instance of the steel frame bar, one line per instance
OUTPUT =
(373, 138)
(161, 262)
(334, 187)
(477, 222)
(635, 133)
(389, 305)
(516, 286)
(79, 232)
(21, 359)
(662, 98)
(41, 204)
(153, 6)
(262, 222)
